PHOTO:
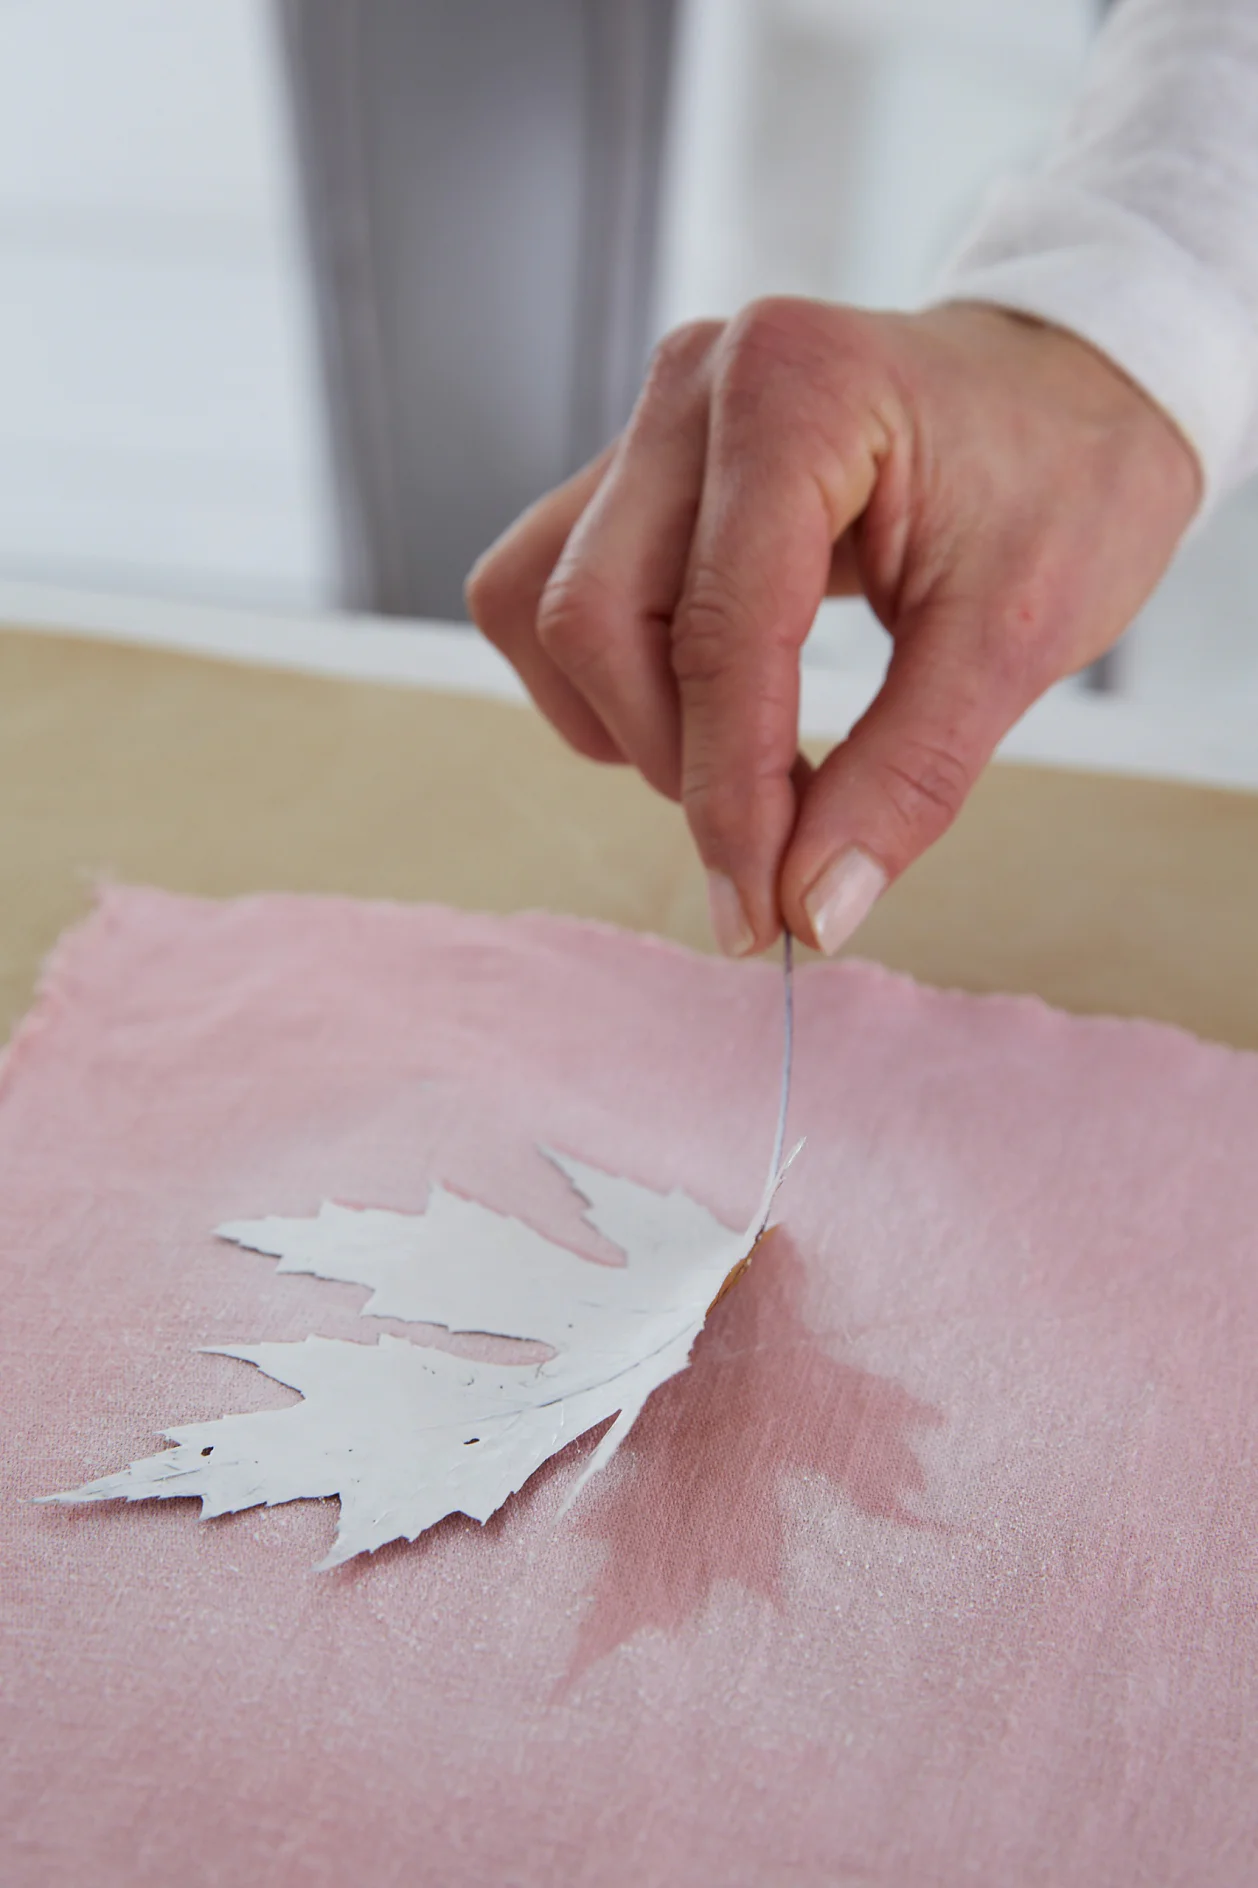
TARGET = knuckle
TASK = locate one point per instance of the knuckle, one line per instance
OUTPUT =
(926, 784)
(719, 628)
(709, 800)
(769, 325)
(700, 646)
(489, 594)
(723, 800)
(681, 353)
(761, 345)
(706, 630)
(781, 333)
(719, 814)
(736, 769)
(570, 621)
(801, 379)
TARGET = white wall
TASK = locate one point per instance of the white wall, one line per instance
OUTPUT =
(159, 428)
(837, 147)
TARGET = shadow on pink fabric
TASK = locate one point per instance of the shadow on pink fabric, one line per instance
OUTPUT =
(939, 1566)
(716, 1442)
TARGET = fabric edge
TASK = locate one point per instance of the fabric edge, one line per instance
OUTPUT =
(112, 902)
(55, 971)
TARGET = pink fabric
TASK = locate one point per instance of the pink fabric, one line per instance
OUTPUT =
(939, 1567)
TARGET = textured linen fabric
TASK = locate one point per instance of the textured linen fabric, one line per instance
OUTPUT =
(939, 1566)
(1140, 232)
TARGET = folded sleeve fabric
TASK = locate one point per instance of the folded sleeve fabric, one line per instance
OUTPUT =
(1140, 232)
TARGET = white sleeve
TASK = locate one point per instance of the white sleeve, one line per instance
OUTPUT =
(1140, 232)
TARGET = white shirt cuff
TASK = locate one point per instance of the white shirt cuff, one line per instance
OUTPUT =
(1049, 249)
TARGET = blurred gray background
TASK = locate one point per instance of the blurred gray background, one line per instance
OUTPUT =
(300, 300)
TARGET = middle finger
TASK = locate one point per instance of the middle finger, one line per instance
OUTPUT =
(605, 615)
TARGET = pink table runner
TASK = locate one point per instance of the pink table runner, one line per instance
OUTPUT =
(939, 1566)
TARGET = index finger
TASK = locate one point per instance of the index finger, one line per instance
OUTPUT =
(787, 471)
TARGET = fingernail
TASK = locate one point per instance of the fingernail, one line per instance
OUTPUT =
(729, 921)
(842, 897)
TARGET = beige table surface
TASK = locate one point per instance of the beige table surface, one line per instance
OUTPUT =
(1098, 893)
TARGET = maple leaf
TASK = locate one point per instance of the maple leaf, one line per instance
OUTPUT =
(405, 1434)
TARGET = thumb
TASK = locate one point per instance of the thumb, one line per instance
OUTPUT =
(896, 783)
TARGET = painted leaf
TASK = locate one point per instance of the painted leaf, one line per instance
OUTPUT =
(405, 1434)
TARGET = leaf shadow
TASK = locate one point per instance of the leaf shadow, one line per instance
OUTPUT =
(697, 1498)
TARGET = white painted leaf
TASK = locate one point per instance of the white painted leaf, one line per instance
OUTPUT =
(405, 1434)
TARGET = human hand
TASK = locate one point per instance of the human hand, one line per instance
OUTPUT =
(1003, 496)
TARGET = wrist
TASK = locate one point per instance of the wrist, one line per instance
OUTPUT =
(1087, 380)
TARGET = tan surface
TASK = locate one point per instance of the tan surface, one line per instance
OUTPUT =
(1099, 894)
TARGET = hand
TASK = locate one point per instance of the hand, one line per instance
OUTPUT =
(1003, 496)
